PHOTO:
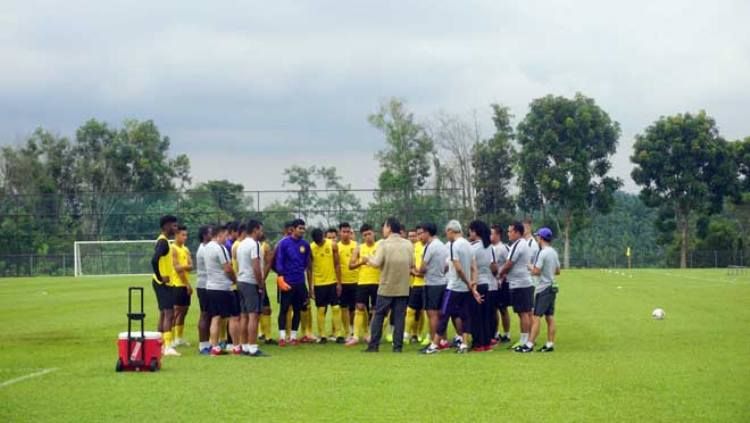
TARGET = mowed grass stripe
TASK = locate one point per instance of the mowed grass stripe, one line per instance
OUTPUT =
(612, 362)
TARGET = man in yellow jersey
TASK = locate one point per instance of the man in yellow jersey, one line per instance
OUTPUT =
(325, 280)
(183, 264)
(415, 310)
(162, 265)
(348, 298)
(332, 234)
(264, 327)
(367, 283)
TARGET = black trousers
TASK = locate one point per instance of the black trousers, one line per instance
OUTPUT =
(397, 307)
(294, 298)
(481, 319)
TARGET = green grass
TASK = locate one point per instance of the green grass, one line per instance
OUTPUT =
(613, 362)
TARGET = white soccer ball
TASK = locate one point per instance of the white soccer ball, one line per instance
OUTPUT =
(658, 314)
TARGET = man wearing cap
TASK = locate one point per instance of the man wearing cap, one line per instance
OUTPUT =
(546, 266)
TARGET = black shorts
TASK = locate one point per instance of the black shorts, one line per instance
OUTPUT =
(503, 296)
(326, 295)
(348, 295)
(456, 304)
(433, 297)
(164, 295)
(367, 295)
(522, 299)
(250, 298)
(544, 303)
(222, 303)
(181, 296)
(416, 298)
(202, 298)
(491, 299)
(296, 298)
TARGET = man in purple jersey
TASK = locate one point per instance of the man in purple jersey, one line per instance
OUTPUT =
(233, 232)
(292, 260)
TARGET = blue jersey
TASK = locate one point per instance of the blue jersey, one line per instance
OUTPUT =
(292, 258)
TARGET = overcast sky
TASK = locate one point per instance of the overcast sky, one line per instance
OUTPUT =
(247, 88)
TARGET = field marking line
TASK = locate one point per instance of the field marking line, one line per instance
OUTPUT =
(28, 376)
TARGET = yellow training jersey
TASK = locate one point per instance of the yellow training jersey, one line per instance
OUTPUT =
(368, 275)
(183, 258)
(235, 264)
(345, 256)
(418, 252)
(166, 267)
(323, 269)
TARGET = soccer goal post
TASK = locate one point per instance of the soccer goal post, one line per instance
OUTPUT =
(112, 258)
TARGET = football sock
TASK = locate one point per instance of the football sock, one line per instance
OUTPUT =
(282, 335)
(167, 337)
(336, 323)
(524, 338)
(179, 330)
(345, 321)
(294, 335)
(322, 322)
(265, 324)
(410, 322)
(360, 323)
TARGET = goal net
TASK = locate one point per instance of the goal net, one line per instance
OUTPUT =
(112, 258)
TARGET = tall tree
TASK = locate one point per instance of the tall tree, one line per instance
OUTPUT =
(741, 153)
(455, 138)
(493, 160)
(338, 203)
(333, 203)
(133, 158)
(685, 168)
(37, 205)
(566, 145)
(302, 179)
(225, 198)
(406, 159)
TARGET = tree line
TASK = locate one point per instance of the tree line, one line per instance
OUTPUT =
(554, 165)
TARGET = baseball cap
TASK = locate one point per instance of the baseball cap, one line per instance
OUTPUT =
(545, 234)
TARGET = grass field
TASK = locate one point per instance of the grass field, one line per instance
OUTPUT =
(613, 362)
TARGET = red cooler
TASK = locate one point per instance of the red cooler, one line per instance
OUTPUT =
(138, 350)
(144, 354)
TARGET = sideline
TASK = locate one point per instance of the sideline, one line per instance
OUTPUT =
(28, 376)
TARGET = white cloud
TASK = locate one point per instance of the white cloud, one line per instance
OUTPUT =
(273, 78)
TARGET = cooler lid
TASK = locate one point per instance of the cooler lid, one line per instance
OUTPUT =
(136, 334)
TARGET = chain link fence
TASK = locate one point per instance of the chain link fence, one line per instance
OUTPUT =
(17, 265)
(38, 231)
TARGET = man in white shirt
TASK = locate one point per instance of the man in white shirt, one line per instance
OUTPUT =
(251, 284)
